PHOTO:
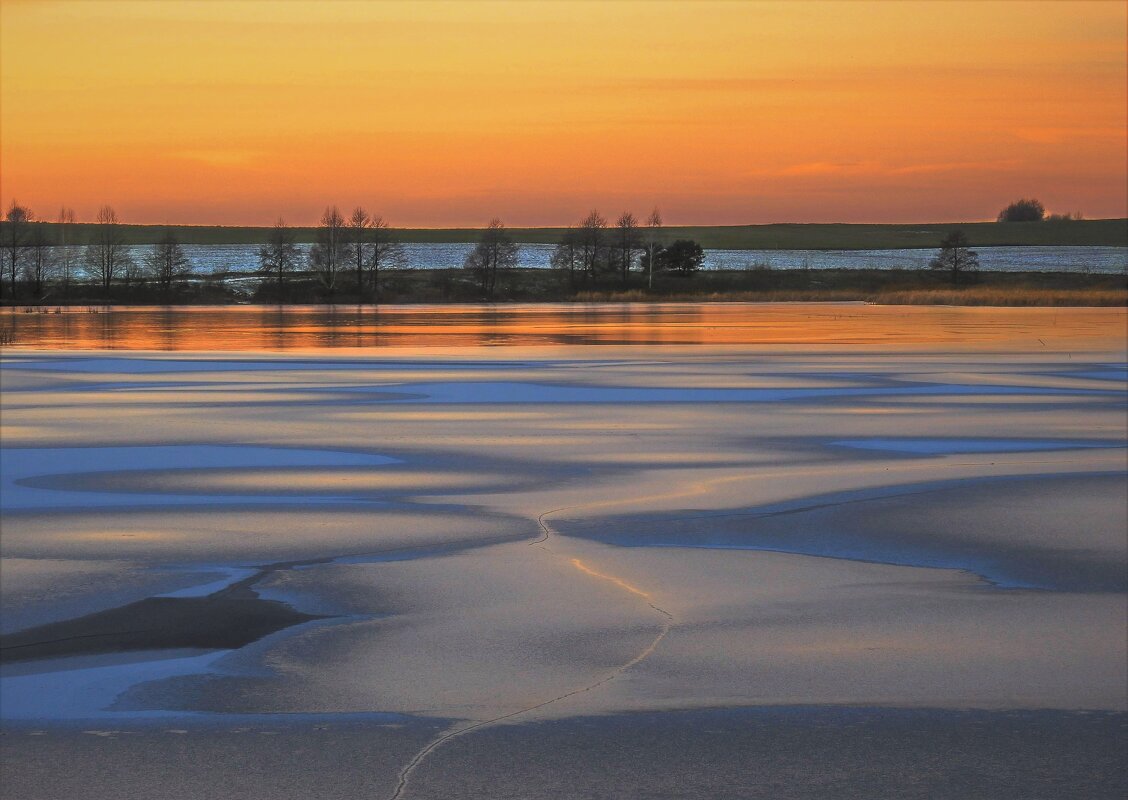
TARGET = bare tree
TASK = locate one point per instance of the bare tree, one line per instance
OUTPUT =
(371, 246)
(329, 255)
(279, 255)
(67, 260)
(15, 240)
(592, 242)
(386, 252)
(494, 252)
(132, 273)
(567, 255)
(168, 262)
(955, 257)
(627, 241)
(40, 260)
(653, 227)
(107, 255)
(357, 242)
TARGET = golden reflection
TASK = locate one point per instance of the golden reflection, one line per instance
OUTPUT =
(876, 410)
(582, 567)
(11, 432)
(118, 535)
(407, 415)
(519, 441)
(802, 325)
(648, 458)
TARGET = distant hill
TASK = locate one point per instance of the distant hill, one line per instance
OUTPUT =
(783, 236)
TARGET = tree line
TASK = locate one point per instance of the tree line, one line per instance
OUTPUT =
(594, 250)
(350, 254)
(39, 257)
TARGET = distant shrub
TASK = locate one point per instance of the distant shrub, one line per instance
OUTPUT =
(955, 256)
(684, 256)
(1023, 211)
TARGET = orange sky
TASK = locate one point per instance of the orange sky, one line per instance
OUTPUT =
(446, 114)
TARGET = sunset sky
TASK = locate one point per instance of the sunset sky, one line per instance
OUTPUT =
(446, 114)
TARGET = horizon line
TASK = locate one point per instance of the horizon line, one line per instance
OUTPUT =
(565, 227)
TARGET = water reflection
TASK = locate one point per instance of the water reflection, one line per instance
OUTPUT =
(319, 327)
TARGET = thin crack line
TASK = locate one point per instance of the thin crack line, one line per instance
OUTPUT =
(435, 744)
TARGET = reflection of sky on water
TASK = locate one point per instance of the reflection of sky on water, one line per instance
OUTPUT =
(90, 690)
(954, 446)
(20, 465)
(829, 545)
(847, 525)
(275, 328)
(1109, 373)
(515, 392)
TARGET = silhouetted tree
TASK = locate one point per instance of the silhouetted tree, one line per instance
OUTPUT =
(67, 259)
(107, 255)
(384, 252)
(684, 256)
(133, 274)
(627, 242)
(955, 257)
(592, 240)
(279, 256)
(494, 252)
(566, 256)
(356, 233)
(16, 232)
(653, 226)
(168, 262)
(328, 256)
(40, 260)
(1023, 211)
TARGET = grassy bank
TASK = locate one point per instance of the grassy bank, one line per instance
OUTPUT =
(1094, 232)
(969, 296)
(538, 285)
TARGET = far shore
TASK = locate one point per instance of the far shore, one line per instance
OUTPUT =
(458, 287)
(776, 236)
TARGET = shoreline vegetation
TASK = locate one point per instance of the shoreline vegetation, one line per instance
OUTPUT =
(775, 236)
(361, 259)
(530, 285)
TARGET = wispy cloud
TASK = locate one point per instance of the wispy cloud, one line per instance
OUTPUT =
(876, 168)
(1060, 134)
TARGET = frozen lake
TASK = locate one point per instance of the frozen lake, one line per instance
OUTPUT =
(211, 258)
(614, 550)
